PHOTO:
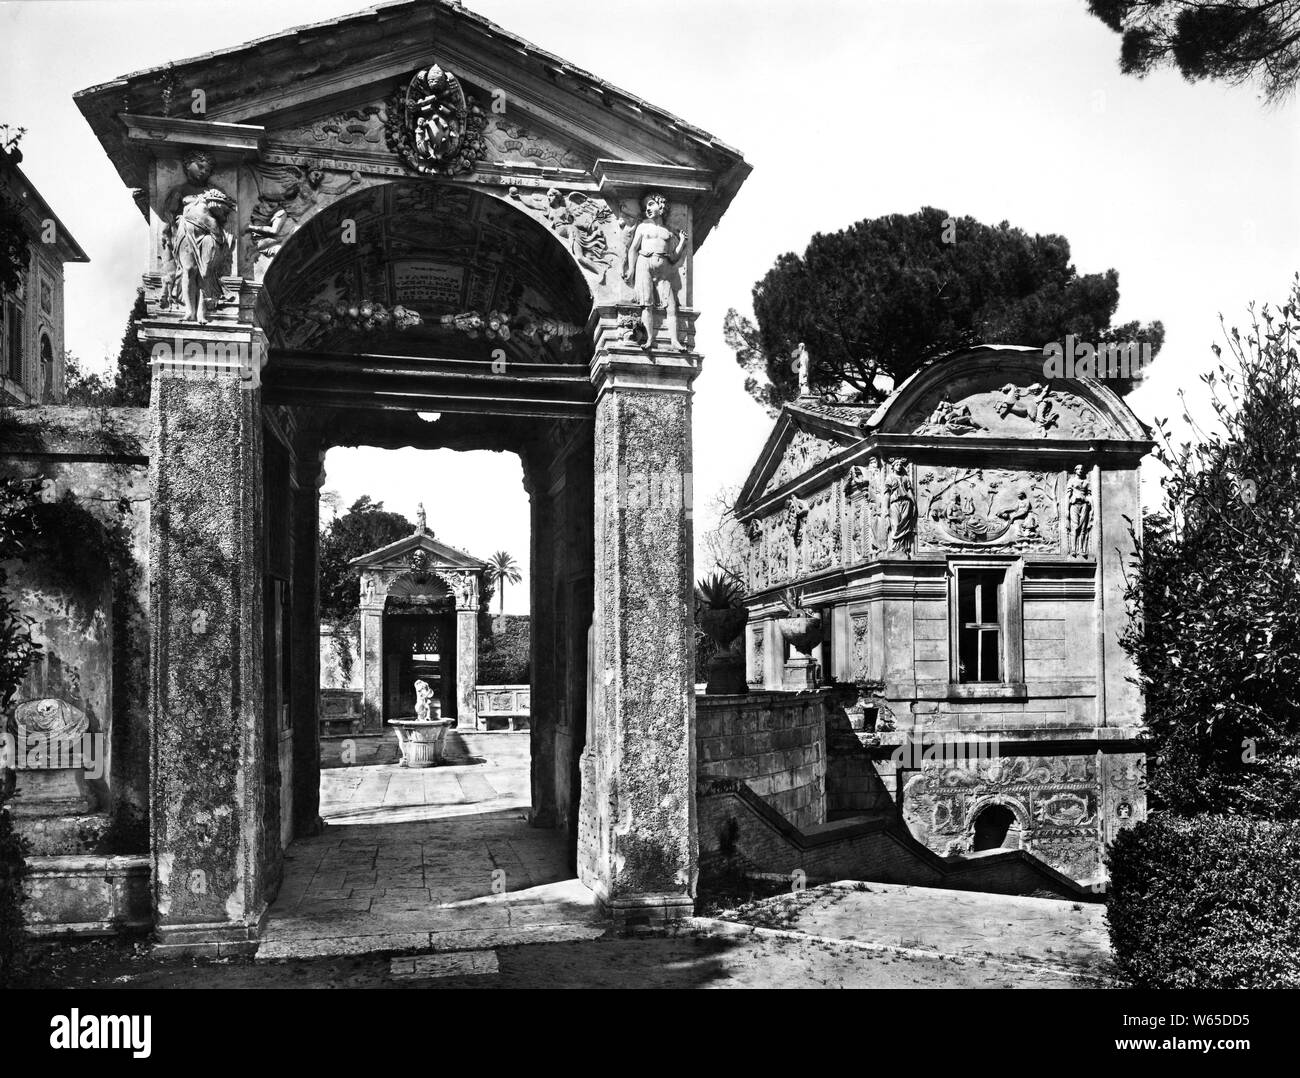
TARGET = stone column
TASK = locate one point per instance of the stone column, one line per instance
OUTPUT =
(373, 595)
(541, 644)
(466, 650)
(305, 644)
(206, 706)
(638, 831)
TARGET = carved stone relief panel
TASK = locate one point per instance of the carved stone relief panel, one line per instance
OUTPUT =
(859, 643)
(803, 452)
(983, 408)
(979, 508)
(822, 532)
(1054, 801)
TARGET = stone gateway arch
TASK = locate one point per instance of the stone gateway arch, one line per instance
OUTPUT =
(408, 227)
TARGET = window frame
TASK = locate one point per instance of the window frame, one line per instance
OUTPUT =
(1011, 629)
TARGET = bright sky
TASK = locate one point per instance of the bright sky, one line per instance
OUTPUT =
(1000, 109)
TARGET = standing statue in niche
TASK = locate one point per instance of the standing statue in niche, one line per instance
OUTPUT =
(198, 170)
(464, 587)
(650, 267)
(1079, 496)
(901, 501)
(202, 251)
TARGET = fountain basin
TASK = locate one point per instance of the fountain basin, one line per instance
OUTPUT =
(422, 740)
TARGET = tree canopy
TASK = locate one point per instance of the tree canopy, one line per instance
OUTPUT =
(886, 295)
(1217, 587)
(502, 570)
(1236, 41)
(366, 526)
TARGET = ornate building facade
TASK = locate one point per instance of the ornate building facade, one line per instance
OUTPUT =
(31, 316)
(420, 603)
(964, 544)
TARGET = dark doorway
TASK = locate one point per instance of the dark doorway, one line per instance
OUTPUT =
(419, 644)
(992, 827)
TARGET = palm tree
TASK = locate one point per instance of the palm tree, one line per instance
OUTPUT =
(503, 570)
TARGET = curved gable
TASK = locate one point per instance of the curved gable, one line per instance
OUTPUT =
(1001, 392)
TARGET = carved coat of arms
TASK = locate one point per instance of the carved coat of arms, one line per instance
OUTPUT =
(434, 127)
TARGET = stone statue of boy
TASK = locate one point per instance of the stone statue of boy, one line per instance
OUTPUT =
(650, 267)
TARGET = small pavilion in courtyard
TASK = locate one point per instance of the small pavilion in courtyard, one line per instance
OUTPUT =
(419, 620)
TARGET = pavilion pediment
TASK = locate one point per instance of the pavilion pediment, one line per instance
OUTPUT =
(805, 437)
(397, 556)
(1002, 392)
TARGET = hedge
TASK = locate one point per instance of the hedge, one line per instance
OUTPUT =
(1206, 902)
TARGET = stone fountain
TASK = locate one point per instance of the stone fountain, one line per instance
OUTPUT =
(423, 738)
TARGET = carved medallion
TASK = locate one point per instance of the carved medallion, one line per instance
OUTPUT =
(434, 127)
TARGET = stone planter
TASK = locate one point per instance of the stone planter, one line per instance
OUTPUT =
(803, 633)
(726, 668)
(422, 741)
(723, 625)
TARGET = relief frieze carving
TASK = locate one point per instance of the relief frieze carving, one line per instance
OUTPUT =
(803, 452)
(1037, 410)
(1054, 801)
(966, 508)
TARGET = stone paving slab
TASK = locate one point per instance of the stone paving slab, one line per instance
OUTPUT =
(968, 924)
(449, 964)
(413, 857)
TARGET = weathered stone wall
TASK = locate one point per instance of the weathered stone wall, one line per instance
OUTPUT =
(1065, 807)
(87, 613)
(741, 835)
(774, 742)
(336, 641)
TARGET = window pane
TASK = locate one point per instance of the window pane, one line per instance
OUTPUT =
(989, 655)
(966, 582)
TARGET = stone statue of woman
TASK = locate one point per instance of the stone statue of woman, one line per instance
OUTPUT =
(902, 507)
(202, 251)
(1079, 496)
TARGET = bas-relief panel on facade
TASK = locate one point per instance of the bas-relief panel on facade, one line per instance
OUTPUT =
(1013, 409)
(967, 508)
(802, 452)
(1064, 809)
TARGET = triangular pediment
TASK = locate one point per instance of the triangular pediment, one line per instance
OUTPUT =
(398, 555)
(806, 436)
(320, 90)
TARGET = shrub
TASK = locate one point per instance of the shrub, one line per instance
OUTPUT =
(1217, 643)
(1206, 902)
(503, 657)
(16, 653)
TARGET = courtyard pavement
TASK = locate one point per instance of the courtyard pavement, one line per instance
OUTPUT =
(435, 859)
(1012, 931)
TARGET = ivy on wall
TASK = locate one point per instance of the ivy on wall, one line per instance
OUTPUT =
(17, 532)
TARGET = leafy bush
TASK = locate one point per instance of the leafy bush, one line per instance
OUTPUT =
(1217, 643)
(503, 657)
(1206, 902)
(16, 652)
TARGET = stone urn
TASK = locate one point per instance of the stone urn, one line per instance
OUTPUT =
(802, 632)
(722, 618)
(727, 665)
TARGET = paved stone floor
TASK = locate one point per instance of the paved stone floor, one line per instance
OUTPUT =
(1017, 932)
(437, 858)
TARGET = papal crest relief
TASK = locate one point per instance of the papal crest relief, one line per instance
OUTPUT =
(434, 127)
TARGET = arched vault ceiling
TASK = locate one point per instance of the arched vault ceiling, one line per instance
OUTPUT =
(439, 251)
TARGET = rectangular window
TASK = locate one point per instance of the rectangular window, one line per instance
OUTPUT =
(979, 624)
